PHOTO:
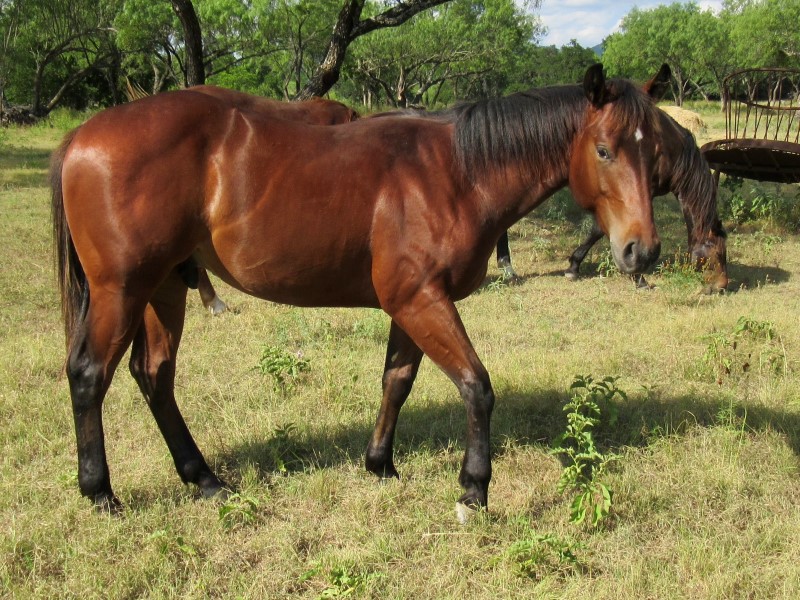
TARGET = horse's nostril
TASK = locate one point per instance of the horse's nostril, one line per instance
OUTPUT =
(629, 252)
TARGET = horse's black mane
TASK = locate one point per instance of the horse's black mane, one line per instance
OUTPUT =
(534, 129)
(691, 180)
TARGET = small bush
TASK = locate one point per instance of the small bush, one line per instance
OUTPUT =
(585, 463)
(283, 367)
(751, 345)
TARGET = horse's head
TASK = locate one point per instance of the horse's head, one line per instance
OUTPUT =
(709, 255)
(612, 164)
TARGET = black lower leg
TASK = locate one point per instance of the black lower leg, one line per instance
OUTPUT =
(476, 469)
(154, 371)
(400, 369)
(87, 389)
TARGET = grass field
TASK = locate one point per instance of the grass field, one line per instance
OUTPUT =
(706, 485)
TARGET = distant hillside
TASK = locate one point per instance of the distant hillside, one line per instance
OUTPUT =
(598, 49)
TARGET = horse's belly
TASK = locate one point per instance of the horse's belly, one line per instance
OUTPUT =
(291, 277)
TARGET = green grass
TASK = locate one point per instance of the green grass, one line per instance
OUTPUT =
(706, 483)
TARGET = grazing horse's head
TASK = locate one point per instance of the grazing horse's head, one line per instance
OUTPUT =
(710, 256)
(683, 170)
(611, 170)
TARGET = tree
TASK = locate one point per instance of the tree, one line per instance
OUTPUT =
(348, 27)
(54, 45)
(195, 70)
(551, 66)
(648, 38)
(764, 34)
(473, 46)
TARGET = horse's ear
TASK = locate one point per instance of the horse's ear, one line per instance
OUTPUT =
(594, 85)
(658, 85)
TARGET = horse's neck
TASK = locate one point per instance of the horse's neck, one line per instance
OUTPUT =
(506, 195)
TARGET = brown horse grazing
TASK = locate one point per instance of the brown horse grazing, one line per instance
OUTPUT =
(317, 111)
(400, 213)
(682, 170)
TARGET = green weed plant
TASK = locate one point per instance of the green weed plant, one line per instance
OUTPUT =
(586, 464)
(751, 345)
(539, 555)
(284, 367)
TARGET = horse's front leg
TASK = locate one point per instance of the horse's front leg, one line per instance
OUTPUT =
(400, 369)
(581, 251)
(431, 320)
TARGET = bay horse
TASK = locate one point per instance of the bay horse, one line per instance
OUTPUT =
(396, 213)
(682, 170)
(319, 111)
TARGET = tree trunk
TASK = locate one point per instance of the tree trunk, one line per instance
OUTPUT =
(195, 70)
(327, 73)
(348, 27)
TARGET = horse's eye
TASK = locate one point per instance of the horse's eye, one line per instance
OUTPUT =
(604, 153)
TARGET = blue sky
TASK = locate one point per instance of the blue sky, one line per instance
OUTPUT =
(590, 21)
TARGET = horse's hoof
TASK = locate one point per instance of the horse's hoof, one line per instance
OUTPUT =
(212, 486)
(510, 276)
(571, 276)
(108, 504)
(464, 513)
(217, 306)
(384, 473)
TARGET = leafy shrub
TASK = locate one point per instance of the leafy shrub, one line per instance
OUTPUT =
(732, 354)
(282, 366)
(238, 510)
(539, 555)
(585, 463)
(758, 202)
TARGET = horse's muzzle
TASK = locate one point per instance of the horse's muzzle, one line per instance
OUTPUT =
(635, 256)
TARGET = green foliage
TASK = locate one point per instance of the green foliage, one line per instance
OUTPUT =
(538, 556)
(497, 285)
(553, 66)
(280, 447)
(759, 203)
(238, 510)
(760, 34)
(461, 50)
(585, 463)
(607, 267)
(751, 345)
(342, 581)
(680, 272)
(169, 543)
(282, 366)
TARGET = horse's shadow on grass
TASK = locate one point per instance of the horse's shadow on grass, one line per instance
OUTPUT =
(521, 417)
(746, 276)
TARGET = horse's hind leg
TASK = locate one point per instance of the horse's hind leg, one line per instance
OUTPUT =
(208, 294)
(152, 364)
(504, 259)
(400, 369)
(95, 351)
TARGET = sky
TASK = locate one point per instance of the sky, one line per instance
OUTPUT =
(590, 21)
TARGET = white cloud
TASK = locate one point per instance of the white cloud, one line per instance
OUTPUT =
(591, 21)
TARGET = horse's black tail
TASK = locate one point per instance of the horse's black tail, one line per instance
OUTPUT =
(71, 277)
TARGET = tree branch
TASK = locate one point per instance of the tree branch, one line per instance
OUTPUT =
(348, 27)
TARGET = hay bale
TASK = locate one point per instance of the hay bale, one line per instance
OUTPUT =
(687, 118)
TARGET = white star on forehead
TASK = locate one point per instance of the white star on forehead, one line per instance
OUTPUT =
(638, 135)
